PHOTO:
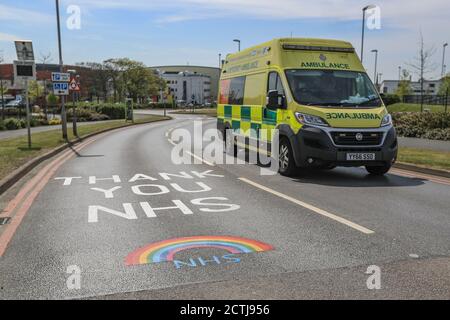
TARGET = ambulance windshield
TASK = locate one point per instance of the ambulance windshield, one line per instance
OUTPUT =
(331, 88)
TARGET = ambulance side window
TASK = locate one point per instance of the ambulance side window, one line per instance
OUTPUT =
(236, 93)
(275, 83)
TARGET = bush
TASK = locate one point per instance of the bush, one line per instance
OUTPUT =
(389, 99)
(160, 105)
(113, 111)
(428, 125)
(2, 125)
(438, 134)
(54, 122)
(12, 124)
(87, 114)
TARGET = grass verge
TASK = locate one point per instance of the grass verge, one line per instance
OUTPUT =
(412, 107)
(14, 152)
(425, 158)
(207, 112)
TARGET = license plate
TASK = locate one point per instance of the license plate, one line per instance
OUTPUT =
(361, 156)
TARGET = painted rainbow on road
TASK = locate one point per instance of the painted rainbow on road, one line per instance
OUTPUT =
(165, 250)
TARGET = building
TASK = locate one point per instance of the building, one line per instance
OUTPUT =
(430, 87)
(188, 87)
(212, 73)
(43, 76)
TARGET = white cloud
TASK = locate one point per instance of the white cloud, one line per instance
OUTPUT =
(8, 37)
(398, 10)
(8, 13)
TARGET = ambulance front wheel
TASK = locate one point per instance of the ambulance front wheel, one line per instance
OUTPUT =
(287, 166)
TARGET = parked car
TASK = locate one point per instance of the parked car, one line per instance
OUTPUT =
(15, 104)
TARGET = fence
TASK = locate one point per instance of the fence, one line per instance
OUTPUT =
(427, 99)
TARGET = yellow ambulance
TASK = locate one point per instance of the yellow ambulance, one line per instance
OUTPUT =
(317, 94)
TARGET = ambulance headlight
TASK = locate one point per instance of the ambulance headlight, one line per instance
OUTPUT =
(309, 119)
(387, 120)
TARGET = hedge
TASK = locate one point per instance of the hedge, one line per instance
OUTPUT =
(428, 125)
(389, 99)
(112, 111)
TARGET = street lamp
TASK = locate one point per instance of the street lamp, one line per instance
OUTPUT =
(61, 69)
(443, 59)
(399, 73)
(379, 77)
(220, 61)
(370, 6)
(375, 71)
(239, 43)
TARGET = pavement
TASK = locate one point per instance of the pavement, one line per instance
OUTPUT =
(418, 143)
(89, 224)
(23, 132)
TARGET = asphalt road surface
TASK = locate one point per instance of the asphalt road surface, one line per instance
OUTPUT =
(113, 229)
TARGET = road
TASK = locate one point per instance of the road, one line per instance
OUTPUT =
(244, 235)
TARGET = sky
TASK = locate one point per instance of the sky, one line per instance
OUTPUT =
(179, 32)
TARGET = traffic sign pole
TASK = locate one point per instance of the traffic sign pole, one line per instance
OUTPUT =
(74, 116)
(27, 106)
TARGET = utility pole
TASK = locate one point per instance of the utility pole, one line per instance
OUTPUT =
(27, 105)
(239, 44)
(443, 59)
(371, 6)
(44, 60)
(1, 88)
(375, 78)
(61, 69)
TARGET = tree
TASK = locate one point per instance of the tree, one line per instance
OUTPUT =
(35, 90)
(404, 86)
(45, 59)
(422, 65)
(95, 78)
(133, 79)
(445, 85)
(3, 90)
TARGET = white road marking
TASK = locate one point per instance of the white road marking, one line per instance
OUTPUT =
(200, 158)
(168, 134)
(310, 207)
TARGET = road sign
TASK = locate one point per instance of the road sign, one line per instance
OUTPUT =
(24, 49)
(61, 88)
(25, 70)
(60, 77)
(74, 85)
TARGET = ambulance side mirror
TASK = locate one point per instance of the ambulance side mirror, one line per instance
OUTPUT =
(275, 100)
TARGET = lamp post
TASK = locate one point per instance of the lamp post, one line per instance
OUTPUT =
(220, 61)
(370, 6)
(443, 59)
(375, 70)
(399, 73)
(239, 43)
(61, 69)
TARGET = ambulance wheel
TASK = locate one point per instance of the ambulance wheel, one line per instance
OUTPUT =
(286, 160)
(378, 170)
(230, 145)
